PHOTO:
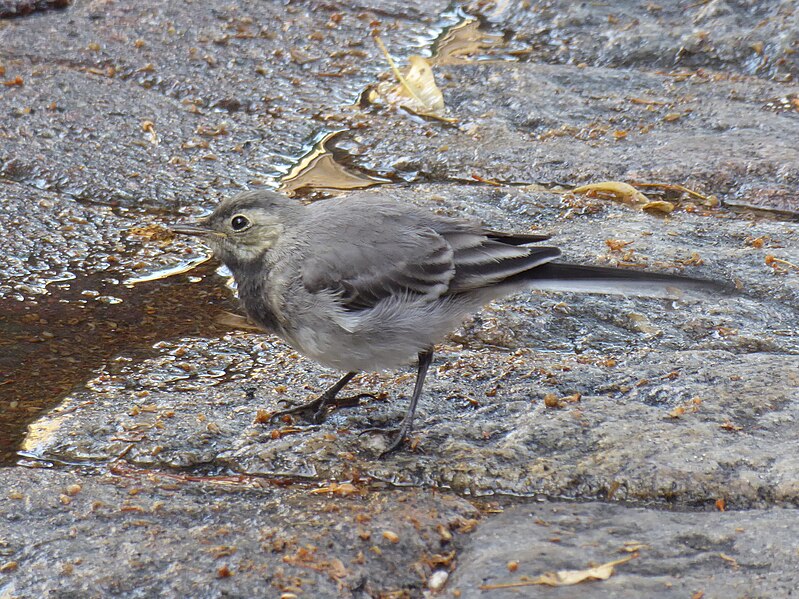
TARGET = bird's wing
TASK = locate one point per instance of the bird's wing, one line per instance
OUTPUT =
(360, 271)
(484, 258)
(398, 251)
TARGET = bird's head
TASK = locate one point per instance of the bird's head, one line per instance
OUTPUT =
(242, 228)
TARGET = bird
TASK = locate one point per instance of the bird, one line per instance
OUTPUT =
(367, 283)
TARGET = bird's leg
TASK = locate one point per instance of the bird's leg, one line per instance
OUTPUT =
(405, 426)
(316, 409)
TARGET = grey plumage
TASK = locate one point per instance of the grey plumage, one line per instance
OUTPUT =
(365, 283)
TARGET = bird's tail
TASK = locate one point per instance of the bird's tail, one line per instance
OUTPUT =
(555, 276)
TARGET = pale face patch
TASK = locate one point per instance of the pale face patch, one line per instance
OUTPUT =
(245, 235)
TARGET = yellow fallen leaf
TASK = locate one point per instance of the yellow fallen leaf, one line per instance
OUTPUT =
(633, 547)
(706, 200)
(563, 578)
(419, 84)
(658, 206)
(336, 489)
(417, 90)
(616, 190)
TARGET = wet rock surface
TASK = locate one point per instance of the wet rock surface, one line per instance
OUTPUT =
(674, 554)
(150, 405)
(185, 107)
(19, 8)
(714, 35)
(592, 123)
(184, 536)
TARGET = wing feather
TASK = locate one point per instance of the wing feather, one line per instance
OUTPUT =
(405, 253)
(420, 269)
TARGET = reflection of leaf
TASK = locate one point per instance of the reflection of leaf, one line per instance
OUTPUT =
(563, 578)
(319, 170)
(235, 321)
(460, 42)
(417, 90)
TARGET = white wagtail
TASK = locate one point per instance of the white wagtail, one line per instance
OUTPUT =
(365, 283)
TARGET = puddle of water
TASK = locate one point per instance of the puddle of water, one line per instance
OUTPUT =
(323, 169)
(171, 271)
(51, 344)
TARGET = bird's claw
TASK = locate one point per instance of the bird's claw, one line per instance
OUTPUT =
(316, 410)
(354, 400)
(313, 411)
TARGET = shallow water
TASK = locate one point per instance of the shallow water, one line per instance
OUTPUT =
(51, 344)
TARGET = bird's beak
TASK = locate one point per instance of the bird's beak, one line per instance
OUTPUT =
(199, 227)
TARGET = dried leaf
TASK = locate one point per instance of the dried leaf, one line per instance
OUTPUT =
(617, 245)
(563, 578)
(706, 200)
(616, 190)
(417, 90)
(391, 536)
(152, 233)
(730, 560)
(551, 401)
(149, 128)
(658, 206)
(286, 430)
(633, 547)
(690, 406)
(677, 412)
(729, 426)
(336, 489)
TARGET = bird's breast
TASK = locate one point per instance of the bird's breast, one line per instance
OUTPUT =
(256, 299)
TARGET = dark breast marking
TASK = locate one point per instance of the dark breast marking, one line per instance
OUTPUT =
(252, 294)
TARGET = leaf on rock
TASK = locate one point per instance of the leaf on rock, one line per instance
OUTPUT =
(416, 90)
(563, 578)
(615, 190)
(658, 206)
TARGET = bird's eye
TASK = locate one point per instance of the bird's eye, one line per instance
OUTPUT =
(239, 222)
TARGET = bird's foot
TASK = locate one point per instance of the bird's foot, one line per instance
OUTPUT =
(316, 410)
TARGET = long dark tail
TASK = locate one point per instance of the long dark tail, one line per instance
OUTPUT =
(555, 276)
